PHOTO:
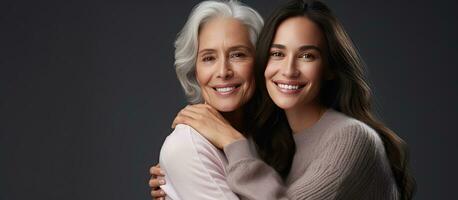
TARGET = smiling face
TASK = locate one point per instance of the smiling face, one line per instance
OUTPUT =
(224, 66)
(294, 70)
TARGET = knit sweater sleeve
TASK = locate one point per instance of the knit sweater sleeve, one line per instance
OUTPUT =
(340, 171)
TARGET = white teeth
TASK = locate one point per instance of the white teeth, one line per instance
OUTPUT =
(225, 89)
(288, 87)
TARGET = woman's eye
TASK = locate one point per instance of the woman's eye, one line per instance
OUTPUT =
(237, 55)
(307, 56)
(208, 58)
(276, 54)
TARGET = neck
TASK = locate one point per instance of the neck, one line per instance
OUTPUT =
(235, 118)
(302, 117)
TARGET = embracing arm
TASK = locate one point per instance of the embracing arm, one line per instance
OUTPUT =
(341, 170)
(250, 177)
(192, 167)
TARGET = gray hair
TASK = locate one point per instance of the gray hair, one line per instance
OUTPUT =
(186, 44)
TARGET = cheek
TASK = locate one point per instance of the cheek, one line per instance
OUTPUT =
(270, 71)
(313, 72)
(203, 75)
(245, 71)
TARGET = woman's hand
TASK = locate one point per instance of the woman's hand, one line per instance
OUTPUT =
(156, 180)
(209, 123)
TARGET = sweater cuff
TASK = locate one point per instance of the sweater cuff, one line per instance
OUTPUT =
(238, 150)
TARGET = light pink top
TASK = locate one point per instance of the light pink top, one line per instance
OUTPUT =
(194, 168)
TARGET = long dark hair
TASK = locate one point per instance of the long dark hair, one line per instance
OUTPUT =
(270, 131)
(348, 92)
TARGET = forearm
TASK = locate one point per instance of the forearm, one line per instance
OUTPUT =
(250, 177)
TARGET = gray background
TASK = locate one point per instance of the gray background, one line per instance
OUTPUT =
(88, 90)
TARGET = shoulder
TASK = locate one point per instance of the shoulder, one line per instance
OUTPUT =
(353, 149)
(344, 128)
(180, 139)
(180, 133)
(185, 143)
(192, 164)
(352, 139)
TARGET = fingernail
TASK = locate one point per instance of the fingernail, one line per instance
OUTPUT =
(162, 181)
(162, 192)
(162, 172)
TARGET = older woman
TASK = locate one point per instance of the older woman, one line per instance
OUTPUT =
(214, 63)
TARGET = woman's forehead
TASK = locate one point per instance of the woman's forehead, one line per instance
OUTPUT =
(223, 32)
(299, 31)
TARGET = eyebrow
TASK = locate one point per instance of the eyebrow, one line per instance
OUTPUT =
(230, 49)
(302, 48)
(240, 47)
(205, 50)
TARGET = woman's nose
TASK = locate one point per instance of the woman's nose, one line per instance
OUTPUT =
(290, 69)
(225, 70)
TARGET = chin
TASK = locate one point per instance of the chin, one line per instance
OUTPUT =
(285, 105)
(226, 106)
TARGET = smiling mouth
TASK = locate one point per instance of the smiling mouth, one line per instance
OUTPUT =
(290, 87)
(226, 89)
